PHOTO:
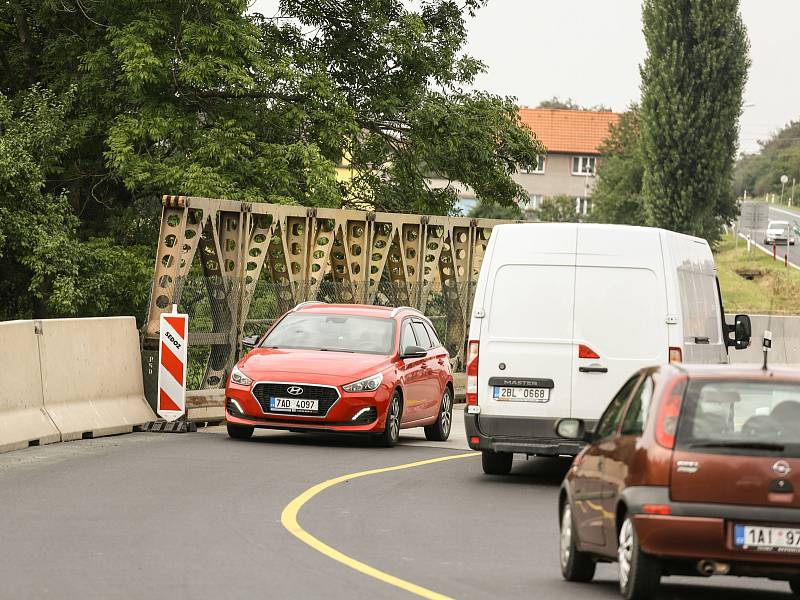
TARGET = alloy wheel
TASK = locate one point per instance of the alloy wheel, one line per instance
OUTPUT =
(394, 421)
(566, 536)
(625, 552)
(447, 413)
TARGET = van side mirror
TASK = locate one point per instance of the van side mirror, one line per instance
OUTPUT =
(413, 352)
(571, 429)
(743, 330)
(250, 341)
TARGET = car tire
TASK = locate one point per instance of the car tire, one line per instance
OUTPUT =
(639, 573)
(391, 431)
(575, 565)
(440, 430)
(794, 584)
(240, 432)
(496, 463)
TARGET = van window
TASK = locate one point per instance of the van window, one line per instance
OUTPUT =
(699, 304)
(532, 302)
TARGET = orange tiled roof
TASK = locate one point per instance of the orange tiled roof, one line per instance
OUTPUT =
(570, 131)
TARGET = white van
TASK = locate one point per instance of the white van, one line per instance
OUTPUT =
(563, 314)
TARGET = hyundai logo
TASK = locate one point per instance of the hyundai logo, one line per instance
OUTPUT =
(782, 468)
(296, 390)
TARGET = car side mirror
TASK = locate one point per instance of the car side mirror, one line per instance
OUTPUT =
(250, 341)
(742, 331)
(413, 352)
(571, 429)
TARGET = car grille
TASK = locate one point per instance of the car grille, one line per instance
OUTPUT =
(326, 396)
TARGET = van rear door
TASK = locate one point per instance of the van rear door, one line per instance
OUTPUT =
(527, 329)
(620, 312)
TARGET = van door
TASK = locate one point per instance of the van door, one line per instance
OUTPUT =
(620, 313)
(527, 329)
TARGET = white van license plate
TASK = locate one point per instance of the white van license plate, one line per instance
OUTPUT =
(295, 405)
(521, 394)
(771, 539)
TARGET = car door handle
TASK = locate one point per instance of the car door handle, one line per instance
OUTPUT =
(593, 369)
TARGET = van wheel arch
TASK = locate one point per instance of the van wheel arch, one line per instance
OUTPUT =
(622, 511)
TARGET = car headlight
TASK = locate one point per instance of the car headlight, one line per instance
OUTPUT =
(240, 378)
(368, 384)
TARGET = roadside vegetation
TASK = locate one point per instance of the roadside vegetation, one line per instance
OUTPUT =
(755, 283)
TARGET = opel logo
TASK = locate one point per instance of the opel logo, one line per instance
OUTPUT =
(296, 390)
(782, 468)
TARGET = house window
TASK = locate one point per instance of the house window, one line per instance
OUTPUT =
(535, 201)
(539, 168)
(583, 165)
(583, 205)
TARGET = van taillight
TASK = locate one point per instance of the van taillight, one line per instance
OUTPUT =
(675, 355)
(586, 352)
(472, 373)
(668, 413)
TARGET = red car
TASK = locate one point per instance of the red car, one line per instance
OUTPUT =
(691, 470)
(345, 368)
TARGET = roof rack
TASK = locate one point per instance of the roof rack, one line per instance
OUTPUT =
(306, 303)
(399, 308)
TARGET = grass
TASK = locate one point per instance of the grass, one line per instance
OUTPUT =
(774, 290)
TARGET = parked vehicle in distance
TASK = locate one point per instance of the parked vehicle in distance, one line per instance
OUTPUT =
(691, 470)
(564, 313)
(345, 368)
(779, 232)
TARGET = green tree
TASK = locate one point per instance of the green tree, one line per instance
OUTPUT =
(199, 97)
(557, 209)
(761, 173)
(570, 104)
(492, 210)
(692, 82)
(618, 195)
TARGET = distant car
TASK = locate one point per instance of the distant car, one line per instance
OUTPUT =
(344, 368)
(691, 470)
(779, 232)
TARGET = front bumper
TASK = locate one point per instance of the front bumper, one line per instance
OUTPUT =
(339, 418)
(531, 436)
(697, 531)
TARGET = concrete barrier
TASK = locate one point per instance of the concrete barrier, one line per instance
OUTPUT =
(23, 419)
(92, 376)
(785, 340)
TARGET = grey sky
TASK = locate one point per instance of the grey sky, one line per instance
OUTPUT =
(590, 50)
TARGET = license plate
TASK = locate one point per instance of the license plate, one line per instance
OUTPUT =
(768, 539)
(521, 394)
(293, 405)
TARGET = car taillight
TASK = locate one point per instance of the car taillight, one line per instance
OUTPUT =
(586, 352)
(472, 373)
(656, 509)
(675, 355)
(668, 412)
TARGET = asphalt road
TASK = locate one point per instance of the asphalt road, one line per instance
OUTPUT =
(199, 516)
(779, 214)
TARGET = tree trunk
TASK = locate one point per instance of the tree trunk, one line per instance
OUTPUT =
(24, 34)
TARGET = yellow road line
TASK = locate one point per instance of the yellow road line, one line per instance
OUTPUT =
(289, 521)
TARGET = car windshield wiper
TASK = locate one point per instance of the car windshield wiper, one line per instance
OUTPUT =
(743, 444)
(336, 350)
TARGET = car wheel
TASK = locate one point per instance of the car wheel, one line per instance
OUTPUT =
(392, 430)
(575, 565)
(795, 585)
(240, 432)
(496, 463)
(639, 573)
(440, 430)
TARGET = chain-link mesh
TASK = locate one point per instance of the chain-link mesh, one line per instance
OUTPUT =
(215, 305)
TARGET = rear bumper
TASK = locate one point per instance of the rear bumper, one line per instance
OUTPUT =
(531, 436)
(696, 531)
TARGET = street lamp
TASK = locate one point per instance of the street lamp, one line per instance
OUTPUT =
(784, 179)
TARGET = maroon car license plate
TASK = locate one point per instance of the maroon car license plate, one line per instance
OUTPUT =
(293, 405)
(767, 539)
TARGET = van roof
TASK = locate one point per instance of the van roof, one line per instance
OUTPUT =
(602, 226)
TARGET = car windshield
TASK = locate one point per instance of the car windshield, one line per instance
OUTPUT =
(762, 415)
(333, 333)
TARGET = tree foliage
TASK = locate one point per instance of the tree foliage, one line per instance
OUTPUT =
(202, 98)
(618, 195)
(557, 209)
(570, 104)
(492, 210)
(761, 173)
(692, 82)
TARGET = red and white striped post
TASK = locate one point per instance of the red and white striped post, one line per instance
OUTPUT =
(172, 357)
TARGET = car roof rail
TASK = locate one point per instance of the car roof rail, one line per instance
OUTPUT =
(306, 303)
(397, 310)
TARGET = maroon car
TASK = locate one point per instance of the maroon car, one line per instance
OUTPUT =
(691, 470)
